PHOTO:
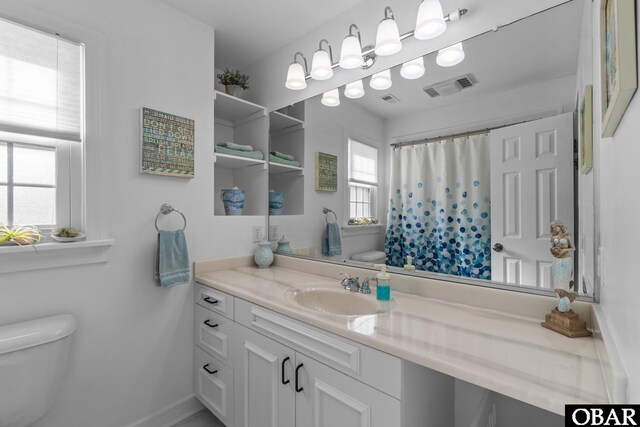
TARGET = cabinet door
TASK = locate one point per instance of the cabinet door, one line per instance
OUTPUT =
(264, 395)
(329, 399)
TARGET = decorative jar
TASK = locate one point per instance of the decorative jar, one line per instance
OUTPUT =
(264, 255)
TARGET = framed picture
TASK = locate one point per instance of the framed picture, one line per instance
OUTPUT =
(585, 131)
(618, 70)
(326, 172)
(167, 144)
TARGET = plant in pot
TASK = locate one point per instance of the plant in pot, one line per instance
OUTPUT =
(234, 82)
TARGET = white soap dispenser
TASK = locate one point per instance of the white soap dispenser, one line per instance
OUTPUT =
(409, 265)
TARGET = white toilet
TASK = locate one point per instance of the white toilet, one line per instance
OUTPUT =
(33, 360)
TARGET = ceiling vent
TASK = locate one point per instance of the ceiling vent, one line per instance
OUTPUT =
(391, 99)
(450, 87)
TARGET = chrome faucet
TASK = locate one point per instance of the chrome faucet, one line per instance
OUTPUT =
(352, 283)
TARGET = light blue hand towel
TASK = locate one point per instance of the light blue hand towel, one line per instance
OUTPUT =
(331, 243)
(172, 262)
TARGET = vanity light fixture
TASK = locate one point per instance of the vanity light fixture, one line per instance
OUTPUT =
(351, 53)
(321, 62)
(413, 69)
(296, 74)
(450, 56)
(430, 22)
(331, 98)
(354, 90)
(388, 37)
(381, 80)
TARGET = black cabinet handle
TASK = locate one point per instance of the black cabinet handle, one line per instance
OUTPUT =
(206, 322)
(282, 379)
(298, 389)
(211, 301)
(211, 372)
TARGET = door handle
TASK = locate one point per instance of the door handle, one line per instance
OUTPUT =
(497, 247)
(206, 322)
(298, 389)
(282, 379)
(210, 372)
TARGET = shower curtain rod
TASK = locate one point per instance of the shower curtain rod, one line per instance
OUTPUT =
(455, 135)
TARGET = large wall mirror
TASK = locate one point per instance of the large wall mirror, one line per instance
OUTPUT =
(463, 168)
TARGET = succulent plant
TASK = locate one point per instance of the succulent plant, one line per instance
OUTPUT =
(20, 234)
(66, 232)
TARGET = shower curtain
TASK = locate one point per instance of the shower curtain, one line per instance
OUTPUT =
(439, 207)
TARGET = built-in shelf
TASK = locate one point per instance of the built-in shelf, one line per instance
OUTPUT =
(236, 110)
(279, 122)
(278, 168)
(227, 161)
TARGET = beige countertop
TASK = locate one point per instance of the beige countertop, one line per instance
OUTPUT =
(509, 354)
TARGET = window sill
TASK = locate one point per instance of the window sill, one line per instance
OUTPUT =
(358, 230)
(53, 255)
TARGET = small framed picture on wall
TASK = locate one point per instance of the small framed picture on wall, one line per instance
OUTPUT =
(326, 172)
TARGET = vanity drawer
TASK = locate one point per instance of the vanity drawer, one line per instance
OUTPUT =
(213, 384)
(214, 334)
(376, 368)
(214, 300)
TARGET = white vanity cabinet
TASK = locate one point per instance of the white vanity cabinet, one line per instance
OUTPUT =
(286, 373)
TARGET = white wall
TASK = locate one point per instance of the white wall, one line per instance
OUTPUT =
(269, 74)
(617, 177)
(132, 353)
(327, 130)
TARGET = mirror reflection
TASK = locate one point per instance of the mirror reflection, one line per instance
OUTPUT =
(454, 166)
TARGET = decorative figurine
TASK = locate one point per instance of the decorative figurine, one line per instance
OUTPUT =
(562, 318)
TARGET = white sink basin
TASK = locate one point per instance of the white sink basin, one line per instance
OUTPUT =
(337, 301)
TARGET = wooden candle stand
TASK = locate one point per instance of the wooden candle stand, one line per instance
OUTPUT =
(569, 324)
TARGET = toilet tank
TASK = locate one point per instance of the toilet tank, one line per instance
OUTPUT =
(33, 360)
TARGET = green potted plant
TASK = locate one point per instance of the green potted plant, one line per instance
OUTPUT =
(234, 82)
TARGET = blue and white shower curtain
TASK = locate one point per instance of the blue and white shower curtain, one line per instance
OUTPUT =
(439, 207)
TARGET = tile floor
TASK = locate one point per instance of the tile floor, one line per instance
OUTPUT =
(203, 418)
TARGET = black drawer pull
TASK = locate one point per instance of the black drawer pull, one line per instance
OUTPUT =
(298, 389)
(206, 322)
(284, 381)
(211, 301)
(211, 372)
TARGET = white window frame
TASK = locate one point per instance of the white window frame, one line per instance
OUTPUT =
(351, 182)
(89, 181)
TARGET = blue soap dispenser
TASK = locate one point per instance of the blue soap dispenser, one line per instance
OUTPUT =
(383, 287)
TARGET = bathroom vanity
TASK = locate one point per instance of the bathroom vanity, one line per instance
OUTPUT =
(265, 355)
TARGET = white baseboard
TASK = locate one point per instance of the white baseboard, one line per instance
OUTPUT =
(171, 414)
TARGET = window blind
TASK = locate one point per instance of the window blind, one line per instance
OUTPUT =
(363, 163)
(40, 85)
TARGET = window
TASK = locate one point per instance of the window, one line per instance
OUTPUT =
(41, 127)
(363, 180)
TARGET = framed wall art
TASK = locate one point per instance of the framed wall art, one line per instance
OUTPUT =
(585, 131)
(326, 172)
(167, 144)
(618, 69)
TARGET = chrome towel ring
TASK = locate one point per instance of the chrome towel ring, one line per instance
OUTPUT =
(326, 212)
(166, 209)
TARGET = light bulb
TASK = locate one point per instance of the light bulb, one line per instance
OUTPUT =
(321, 65)
(430, 22)
(388, 38)
(413, 69)
(354, 90)
(450, 56)
(381, 80)
(351, 53)
(331, 98)
(295, 77)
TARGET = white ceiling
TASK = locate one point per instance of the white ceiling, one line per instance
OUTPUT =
(248, 30)
(536, 49)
